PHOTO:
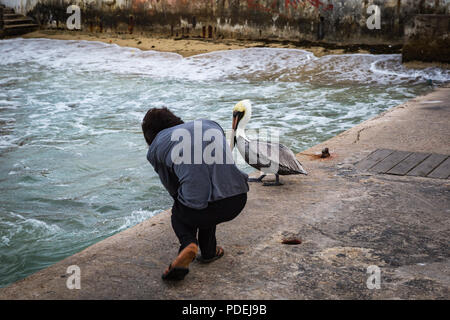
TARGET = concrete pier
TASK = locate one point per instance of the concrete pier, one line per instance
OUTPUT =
(347, 219)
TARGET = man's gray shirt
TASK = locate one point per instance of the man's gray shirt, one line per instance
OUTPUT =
(196, 182)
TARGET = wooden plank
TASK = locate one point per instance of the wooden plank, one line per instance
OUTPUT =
(373, 158)
(390, 161)
(425, 167)
(442, 171)
(409, 163)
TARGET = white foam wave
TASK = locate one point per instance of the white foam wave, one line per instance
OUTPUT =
(5, 241)
(33, 226)
(18, 227)
(390, 66)
(243, 64)
(136, 217)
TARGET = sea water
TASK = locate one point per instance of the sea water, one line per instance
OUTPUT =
(73, 166)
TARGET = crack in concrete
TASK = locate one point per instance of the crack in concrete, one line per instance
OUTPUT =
(358, 134)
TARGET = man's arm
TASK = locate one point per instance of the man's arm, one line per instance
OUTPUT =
(169, 181)
(168, 178)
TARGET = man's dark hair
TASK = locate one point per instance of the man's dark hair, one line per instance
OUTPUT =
(158, 119)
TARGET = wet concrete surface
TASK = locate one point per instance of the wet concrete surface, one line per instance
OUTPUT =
(347, 220)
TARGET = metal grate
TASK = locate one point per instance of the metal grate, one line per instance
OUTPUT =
(431, 165)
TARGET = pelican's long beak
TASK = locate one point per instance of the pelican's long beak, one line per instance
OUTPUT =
(233, 131)
(237, 116)
(233, 136)
(236, 119)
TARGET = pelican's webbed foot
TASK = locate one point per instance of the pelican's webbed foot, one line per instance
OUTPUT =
(273, 183)
(259, 179)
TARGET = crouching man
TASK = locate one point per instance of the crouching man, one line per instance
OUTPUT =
(195, 165)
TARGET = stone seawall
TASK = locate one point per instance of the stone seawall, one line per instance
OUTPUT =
(325, 20)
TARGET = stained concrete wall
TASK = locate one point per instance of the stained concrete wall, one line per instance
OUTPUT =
(328, 20)
(428, 38)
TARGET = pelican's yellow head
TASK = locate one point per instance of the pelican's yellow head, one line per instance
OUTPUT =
(239, 107)
(242, 110)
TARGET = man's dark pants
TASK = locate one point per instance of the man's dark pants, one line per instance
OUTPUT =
(186, 221)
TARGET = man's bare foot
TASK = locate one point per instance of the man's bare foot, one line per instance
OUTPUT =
(179, 268)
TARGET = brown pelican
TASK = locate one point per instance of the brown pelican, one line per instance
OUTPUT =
(265, 156)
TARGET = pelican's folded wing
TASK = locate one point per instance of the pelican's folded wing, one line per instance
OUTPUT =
(288, 162)
(271, 157)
